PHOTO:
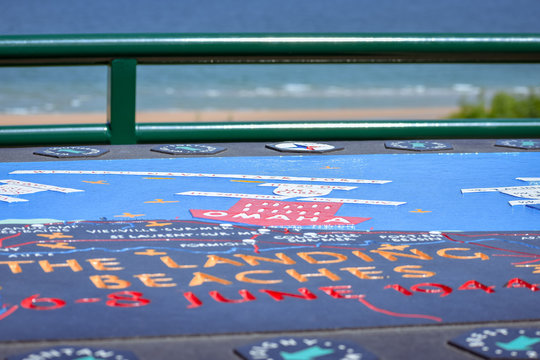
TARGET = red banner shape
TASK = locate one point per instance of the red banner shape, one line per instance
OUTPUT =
(280, 213)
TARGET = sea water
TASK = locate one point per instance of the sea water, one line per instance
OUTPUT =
(322, 86)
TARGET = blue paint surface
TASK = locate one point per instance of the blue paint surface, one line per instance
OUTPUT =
(430, 184)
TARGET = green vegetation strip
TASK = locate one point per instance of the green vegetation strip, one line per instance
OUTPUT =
(502, 105)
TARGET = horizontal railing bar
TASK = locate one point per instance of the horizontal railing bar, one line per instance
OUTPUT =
(270, 131)
(338, 130)
(54, 134)
(238, 48)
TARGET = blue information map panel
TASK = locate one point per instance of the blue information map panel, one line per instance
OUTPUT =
(118, 248)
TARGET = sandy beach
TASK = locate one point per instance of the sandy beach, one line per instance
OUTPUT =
(236, 116)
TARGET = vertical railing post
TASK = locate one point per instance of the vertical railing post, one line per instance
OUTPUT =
(121, 101)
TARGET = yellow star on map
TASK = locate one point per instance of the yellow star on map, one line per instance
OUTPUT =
(159, 201)
(420, 211)
(55, 235)
(101, 182)
(129, 215)
(155, 223)
(330, 168)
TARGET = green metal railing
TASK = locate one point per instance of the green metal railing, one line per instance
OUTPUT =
(123, 53)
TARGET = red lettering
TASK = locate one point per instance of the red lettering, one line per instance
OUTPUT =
(194, 301)
(246, 296)
(399, 288)
(278, 295)
(31, 301)
(475, 285)
(518, 283)
(126, 299)
(439, 289)
(339, 292)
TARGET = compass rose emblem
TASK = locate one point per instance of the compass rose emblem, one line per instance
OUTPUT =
(303, 147)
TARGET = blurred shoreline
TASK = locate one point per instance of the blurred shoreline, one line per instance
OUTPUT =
(232, 115)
